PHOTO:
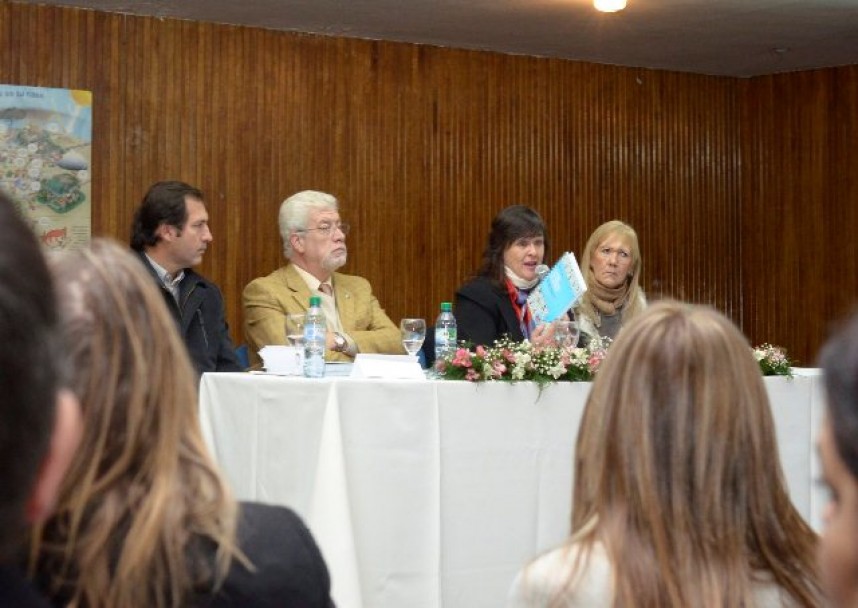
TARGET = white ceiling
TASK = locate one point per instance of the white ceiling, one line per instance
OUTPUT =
(717, 37)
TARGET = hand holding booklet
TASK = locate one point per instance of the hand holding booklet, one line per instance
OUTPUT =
(558, 291)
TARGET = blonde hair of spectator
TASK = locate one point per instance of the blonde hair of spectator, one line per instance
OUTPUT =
(677, 464)
(142, 491)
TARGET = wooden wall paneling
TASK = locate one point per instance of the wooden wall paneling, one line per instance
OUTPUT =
(800, 206)
(425, 145)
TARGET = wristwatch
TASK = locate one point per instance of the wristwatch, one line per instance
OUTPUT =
(339, 342)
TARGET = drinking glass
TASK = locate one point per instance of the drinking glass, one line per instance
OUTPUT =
(295, 329)
(413, 333)
(565, 333)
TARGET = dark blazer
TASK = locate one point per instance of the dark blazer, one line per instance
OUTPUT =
(289, 569)
(201, 321)
(484, 313)
(16, 591)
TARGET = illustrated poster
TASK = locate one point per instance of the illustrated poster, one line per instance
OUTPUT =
(45, 160)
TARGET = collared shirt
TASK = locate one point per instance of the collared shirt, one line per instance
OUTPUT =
(329, 307)
(170, 282)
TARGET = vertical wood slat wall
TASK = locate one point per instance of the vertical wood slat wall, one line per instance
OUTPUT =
(423, 145)
(800, 205)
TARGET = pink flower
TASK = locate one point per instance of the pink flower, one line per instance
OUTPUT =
(472, 374)
(508, 355)
(595, 360)
(481, 351)
(462, 358)
(441, 365)
(498, 368)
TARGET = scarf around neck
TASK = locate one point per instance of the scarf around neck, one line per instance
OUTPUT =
(518, 281)
(608, 300)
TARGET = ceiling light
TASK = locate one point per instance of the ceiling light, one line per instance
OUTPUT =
(609, 6)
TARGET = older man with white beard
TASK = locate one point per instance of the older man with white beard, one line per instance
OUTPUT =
(314, 242)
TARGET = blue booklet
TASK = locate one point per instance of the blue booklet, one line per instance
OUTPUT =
(559, 291)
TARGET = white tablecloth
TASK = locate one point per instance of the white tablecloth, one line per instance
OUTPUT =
(433, 493)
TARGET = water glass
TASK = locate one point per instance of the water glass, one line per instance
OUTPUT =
(413, 333)
(295, 329)
(565, 333)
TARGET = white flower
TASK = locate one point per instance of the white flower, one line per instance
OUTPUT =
(558, 370)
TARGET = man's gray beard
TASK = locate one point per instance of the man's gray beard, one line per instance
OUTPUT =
(331, 263)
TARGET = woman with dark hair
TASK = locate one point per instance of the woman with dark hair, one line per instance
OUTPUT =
(679, 498)
(494, 302)
(144, 518)
(838, 449)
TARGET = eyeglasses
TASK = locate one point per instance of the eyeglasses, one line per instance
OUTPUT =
(329, 229)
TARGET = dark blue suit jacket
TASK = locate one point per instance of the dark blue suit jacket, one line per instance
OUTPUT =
(201, 321)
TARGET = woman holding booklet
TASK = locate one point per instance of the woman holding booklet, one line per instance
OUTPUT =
(494, 302)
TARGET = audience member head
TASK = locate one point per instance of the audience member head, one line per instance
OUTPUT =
(39, 422)
(676, 462)
(142, 488)
(611, 263)
(313, 236)
(171, 225)
(517, 240)
(838, 448)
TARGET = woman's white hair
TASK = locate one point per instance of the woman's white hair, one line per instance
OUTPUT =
(295, 211)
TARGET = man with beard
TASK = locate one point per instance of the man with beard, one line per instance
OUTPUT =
(314, 242)
(171, 234)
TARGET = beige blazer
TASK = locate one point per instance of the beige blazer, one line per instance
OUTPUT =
(267, 300)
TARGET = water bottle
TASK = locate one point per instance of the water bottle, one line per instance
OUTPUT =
(445, 332)
(315, 332)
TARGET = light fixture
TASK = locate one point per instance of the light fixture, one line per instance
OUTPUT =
(609, 6)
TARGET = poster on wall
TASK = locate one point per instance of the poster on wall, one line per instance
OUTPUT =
(45, 160)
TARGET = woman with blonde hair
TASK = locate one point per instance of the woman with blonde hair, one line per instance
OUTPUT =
(611, 263)
(679, 497)
(144, 519)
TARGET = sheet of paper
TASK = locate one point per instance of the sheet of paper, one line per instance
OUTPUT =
(283, 360)
(387, 366)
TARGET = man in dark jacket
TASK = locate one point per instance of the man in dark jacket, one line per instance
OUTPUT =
(171, 234)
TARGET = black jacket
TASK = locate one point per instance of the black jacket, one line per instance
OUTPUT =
(16, 591)
(289, 569)
(484, 313)
(201, 321)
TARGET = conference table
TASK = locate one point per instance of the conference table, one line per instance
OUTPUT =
(434, 493)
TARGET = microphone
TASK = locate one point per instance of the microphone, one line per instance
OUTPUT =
(541, 271)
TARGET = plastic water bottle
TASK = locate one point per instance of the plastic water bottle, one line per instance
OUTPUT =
(445, 332)
(315, 332)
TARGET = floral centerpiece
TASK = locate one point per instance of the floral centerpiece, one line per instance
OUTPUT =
(514, 361)
(773, 360)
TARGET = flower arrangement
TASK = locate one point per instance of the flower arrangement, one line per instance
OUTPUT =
(522, 361)
(773, 360)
